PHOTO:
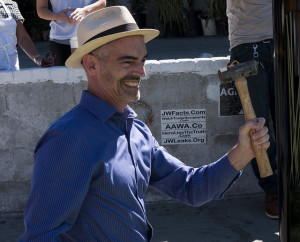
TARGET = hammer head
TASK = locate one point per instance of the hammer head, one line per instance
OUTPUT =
(241, 70)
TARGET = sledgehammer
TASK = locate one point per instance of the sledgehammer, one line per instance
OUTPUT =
(238, 74)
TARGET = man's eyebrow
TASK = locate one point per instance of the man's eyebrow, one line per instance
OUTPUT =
(128, 57)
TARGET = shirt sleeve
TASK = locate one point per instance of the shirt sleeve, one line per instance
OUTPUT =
(15, 12)
(60, 182)
(193, 186)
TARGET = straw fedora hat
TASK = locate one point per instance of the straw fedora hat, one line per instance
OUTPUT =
(103, 26)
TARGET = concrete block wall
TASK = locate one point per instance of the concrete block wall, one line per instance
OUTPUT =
(31, 99)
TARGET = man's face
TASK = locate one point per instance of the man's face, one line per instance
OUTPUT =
(121, 65)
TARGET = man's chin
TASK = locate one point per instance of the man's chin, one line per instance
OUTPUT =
(132, 96)
(137, 97)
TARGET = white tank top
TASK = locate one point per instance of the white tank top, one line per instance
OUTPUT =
(8, 40)
(61, 30)
(249, 21)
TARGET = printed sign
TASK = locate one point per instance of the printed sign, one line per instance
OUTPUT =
(183, 126)
(230, 103)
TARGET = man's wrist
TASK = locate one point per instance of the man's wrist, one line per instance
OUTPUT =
(236, 159)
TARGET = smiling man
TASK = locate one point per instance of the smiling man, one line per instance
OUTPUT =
(93, 166)
(114, 71)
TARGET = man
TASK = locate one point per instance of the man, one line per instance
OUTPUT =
(251, 37)
(94, 165)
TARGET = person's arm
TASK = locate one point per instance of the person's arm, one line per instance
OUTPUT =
(26, 43)
(240, 155)
(45, 13)
(60, 181)
(75, 17)
(196, 186)
(79, 13)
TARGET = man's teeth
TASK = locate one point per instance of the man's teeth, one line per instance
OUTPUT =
(132, 84)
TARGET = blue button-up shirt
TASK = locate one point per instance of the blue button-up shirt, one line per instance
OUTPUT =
(92, 169)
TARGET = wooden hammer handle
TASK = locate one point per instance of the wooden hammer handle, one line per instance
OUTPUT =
(260, 154)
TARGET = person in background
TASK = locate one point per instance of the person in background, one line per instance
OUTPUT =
(13, 32)
(251, 37)
(93, 166)
(65, 16)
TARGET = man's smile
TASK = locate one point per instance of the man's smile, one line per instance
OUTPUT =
(132, 83)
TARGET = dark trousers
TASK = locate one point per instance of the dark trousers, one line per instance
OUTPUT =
(60, 52)
(262, 93)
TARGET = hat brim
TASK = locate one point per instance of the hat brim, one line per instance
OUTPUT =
(74, 61)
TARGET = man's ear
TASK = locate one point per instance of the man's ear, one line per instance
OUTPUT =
(89, 63)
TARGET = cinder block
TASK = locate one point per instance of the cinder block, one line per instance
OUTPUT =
(5, 132)
(169, 66)
(6, 77)
(59, 74)
(77, 91)
(213, 88)
(7, 168)
(186, 65)
(3, 103)
(35, 99)
(173, 90)
(41, 74)
(12, 202)
(13, 195)
(23, 163)
(23, 76)
(152, 67)
(220, 62)
(75, 75)
(17, 133)
(209, 66)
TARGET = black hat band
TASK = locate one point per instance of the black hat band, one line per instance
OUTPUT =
(115, 30)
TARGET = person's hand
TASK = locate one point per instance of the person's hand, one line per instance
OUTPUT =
(64, 17)
(46, 61)
(240, 155)
(78, 14)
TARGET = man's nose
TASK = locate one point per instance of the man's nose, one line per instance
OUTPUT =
(140, 70)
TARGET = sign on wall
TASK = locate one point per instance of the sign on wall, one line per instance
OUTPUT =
(183, 126)
(230, 103)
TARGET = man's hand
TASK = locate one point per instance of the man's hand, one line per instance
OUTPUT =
(241, 154)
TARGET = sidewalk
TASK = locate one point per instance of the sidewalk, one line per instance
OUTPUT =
(158, 49)
(238, 219)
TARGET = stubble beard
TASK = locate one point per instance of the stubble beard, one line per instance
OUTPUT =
(133, 94)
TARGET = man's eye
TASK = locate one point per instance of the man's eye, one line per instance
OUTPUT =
(127, 62)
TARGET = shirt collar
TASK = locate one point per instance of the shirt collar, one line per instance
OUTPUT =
(101, 109)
